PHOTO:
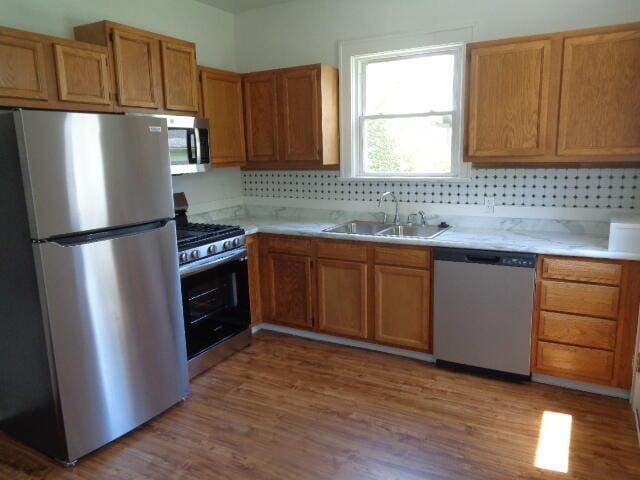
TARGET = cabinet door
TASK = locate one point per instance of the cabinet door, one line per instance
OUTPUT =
(222, 104)
(508, 99)
(179, 76)
(135, 61)
(261, 116)
(342, 297)
(402, 306)
(82, 74)
(253, 258)
(290, 289)
(600, 97)
(300, 114)
(22, 72)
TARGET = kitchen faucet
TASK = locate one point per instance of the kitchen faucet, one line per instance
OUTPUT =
(396, 218)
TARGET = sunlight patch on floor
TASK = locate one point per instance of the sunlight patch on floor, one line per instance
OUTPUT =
(554, 442)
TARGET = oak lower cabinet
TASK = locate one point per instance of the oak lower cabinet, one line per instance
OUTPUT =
(585, 319)
(289, 281)
(343, 297)
(402, 304)
(39, 71)
(291, 118)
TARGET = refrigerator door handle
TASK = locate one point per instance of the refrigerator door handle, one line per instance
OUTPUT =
(106, 234)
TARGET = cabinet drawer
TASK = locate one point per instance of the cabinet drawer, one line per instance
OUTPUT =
(408, 257)
(577, 330)
(575, 362)
(582, 271)
(356, 251)
(596, 300)
(300, 246)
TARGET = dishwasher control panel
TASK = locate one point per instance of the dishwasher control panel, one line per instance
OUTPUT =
(518, 262)
(486, 257)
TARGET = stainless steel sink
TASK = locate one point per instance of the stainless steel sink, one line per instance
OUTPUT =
(419, 231)
(358, 227)
(384, 229)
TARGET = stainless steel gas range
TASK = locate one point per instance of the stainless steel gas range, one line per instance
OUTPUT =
(215, 289)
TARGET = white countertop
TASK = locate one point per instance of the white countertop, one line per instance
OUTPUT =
(548, 243)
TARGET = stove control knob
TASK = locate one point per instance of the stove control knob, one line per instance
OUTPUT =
(211, 250)
(236, 242)
(183, 257)
(195, 254)
(226, 245)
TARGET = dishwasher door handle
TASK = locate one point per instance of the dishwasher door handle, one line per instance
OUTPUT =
(486, 259)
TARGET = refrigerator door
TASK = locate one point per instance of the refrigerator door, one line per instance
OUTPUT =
(113, 310)
(85, 171)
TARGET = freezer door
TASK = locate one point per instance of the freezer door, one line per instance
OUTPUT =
(114, 314)
(85, 171)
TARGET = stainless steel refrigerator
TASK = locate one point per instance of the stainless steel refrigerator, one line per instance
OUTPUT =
(91, 329)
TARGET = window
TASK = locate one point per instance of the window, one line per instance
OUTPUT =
(401, 110)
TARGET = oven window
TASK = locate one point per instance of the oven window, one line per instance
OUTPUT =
(179, 145)
(216, 306)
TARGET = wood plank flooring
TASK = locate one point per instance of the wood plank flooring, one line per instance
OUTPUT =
(290, 408)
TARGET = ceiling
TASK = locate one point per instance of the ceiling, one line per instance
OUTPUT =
(237, 6)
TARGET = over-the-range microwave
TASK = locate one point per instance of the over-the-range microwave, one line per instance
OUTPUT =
(189, 143)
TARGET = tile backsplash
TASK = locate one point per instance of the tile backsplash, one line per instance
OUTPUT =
(606, 188)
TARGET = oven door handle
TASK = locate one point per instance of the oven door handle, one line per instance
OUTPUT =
(207, 263)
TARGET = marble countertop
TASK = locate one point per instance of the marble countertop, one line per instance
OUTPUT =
(548, 243)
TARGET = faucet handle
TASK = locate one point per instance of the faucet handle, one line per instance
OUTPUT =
(423, 217)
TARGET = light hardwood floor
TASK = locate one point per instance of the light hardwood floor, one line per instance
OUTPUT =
(289, 408)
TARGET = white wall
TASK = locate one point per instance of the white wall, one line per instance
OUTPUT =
(210, 28)
(308, 31)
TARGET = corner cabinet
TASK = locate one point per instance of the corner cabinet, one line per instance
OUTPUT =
(568, 97)
(222, 105)
(151, 72)
(291, 117)
(39, 71)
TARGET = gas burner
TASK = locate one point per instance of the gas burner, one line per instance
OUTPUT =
(197, 241)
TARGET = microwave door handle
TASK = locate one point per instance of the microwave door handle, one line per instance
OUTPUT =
(190, 147)
(196, 134)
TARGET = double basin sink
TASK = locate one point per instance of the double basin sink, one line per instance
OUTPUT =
(358, 227)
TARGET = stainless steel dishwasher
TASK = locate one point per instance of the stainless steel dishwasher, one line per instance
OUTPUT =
(483, 305)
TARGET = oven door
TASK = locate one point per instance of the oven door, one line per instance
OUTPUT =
(216, 302)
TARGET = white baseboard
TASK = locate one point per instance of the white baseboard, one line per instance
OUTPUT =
(582, 386)
(426, 357)
(344, 341)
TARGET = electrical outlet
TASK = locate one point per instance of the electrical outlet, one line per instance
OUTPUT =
(489, 204)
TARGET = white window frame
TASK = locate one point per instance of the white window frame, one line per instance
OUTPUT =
(355, 55)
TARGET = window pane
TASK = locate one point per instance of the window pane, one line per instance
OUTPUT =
(408, 145)
(410, 85)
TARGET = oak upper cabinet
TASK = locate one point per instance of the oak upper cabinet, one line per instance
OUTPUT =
(567, 97)
(600, 96)
(39, 71)
(261, 116)
(22, 67)
(343, 288)
(151, 72)
(179, 76)
(292, 118)
(222, 105)
(508, 99)
(300, 115)
(82, 74)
